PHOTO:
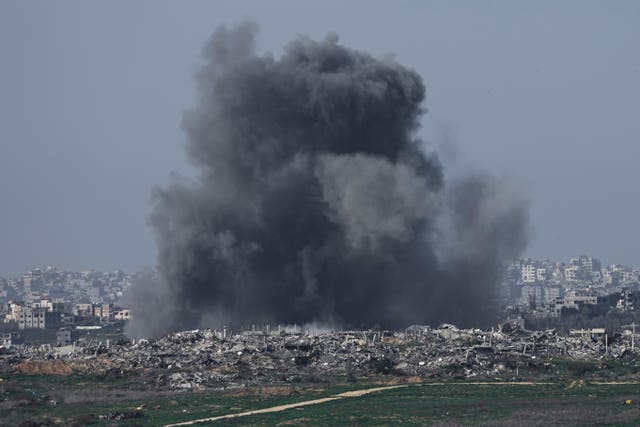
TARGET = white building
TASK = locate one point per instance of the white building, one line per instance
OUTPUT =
(571, 273)
(528, 273)
(575, 298)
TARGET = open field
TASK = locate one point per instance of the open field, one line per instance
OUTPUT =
(472, 404)
(75, 400)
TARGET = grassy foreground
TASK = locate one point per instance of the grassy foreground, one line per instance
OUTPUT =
(472, 404)
(80, 400)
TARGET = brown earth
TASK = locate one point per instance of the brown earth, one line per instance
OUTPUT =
(48, 367)
(263, 391)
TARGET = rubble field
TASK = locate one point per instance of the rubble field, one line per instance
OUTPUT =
(202, 373)
(210, 359)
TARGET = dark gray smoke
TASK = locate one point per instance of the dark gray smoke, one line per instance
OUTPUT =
(315, 201)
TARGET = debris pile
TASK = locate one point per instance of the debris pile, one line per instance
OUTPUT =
(120, 415)
(213, 359)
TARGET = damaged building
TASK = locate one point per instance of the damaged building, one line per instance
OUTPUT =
(200, 359)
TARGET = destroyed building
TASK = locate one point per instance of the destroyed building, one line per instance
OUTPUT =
(37, 318)
(216, 359)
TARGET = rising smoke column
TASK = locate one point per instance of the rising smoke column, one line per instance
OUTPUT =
(315, 202)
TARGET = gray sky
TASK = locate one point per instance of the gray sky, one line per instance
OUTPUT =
(92, 94)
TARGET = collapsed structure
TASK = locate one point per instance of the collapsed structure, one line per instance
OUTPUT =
(218, 359)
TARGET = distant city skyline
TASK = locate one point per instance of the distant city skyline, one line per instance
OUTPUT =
(62, 268)
(93, 94)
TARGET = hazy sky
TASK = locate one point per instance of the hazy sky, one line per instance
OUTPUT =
(92, 94)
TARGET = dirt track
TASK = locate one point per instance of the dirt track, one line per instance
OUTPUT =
(354, 393)
(358, 393)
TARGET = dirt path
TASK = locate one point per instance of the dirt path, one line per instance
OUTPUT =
(354, 393)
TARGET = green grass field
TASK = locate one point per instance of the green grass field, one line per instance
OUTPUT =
(80, 400)
(468, 404)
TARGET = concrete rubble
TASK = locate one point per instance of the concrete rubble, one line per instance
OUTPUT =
(213, 359)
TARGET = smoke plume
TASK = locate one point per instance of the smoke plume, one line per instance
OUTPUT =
(315, 201)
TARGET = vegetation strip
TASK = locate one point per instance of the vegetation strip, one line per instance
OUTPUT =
(354, 393)
(490, 383)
